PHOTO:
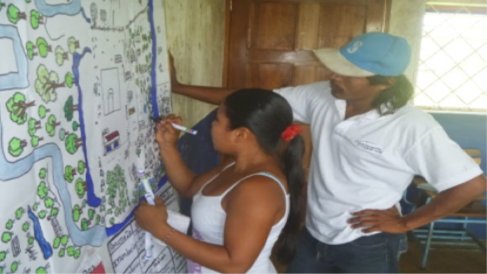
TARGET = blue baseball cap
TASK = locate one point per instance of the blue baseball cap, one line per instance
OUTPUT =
(373, 53)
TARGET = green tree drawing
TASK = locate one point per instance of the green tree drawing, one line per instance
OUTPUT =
(14, 266)
(43, 46)
(16, 146)
(64, 239)
(42, 111)
(81, 167)
(30, 48)
(46, 83)
(69, 173)
(69, 108)
(76, 212)
(74, 125)
(72, 143)
(30, 240)
(51, 125)
(91, 214)
(48, 202)
(70, 250)
(62, 134)
(6, 236)
(14, 14)
(32, 126)
(35, 19)
(42, 190)
(56, 243)
(19, 212)
(10, 224)
(68, 79)
(3, 255)
(80, 187)
(73, 44)
(61, 55)
(54, 212)
(42, 214)
(17, 107)
(25, 226)
(85, 223)
(43, 173)
(41, 270)
(35, 140)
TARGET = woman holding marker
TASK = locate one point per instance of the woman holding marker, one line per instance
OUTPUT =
(250, 203)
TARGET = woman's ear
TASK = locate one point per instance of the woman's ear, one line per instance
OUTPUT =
(241, 134)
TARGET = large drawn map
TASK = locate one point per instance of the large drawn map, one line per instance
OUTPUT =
(79, 81)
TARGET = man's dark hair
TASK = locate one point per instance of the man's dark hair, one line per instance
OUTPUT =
(393, 97)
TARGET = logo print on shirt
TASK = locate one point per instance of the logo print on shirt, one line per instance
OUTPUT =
(368, 146)
(355, 46)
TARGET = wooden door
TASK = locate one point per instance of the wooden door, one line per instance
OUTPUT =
(269, 42)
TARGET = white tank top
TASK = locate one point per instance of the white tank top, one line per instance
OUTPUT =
(208, 220)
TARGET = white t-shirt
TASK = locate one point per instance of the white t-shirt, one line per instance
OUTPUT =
(367, 161)
(209, 218)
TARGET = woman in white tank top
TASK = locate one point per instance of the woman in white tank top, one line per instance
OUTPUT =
(249, 205)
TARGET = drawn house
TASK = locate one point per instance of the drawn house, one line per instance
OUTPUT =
(111, 141)
(110, 90)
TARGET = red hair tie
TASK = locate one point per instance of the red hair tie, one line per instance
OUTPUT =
(290, 132)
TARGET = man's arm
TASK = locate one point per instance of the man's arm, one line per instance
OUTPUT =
(446, 202)
(211, 95)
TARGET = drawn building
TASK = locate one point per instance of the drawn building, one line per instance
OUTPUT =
(111, 141)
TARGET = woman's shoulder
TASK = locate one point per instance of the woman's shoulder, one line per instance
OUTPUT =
(265, 182)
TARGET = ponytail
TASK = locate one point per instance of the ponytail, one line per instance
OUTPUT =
(292, 162)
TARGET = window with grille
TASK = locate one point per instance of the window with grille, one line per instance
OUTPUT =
(452, 72)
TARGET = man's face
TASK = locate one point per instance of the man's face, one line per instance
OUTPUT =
(353, 88)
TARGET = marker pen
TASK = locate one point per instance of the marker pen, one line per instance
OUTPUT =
(177, 126)
(149, 197)
(184, 129)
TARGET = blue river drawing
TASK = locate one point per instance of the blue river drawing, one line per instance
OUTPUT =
(46, 248)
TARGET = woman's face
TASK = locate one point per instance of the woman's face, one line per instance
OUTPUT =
(221, 132)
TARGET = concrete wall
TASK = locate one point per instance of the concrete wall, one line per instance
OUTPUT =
(406, 20)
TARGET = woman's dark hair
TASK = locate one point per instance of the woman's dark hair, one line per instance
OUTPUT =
(395, 96)
(267, 114)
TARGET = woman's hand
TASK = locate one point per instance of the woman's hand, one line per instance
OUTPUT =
(166, 134)
(151, 217)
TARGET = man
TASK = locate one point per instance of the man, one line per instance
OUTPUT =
(368, 143)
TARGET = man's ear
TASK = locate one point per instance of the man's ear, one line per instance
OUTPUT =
(389, 82)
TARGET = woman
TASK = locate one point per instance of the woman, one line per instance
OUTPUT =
(241, 206)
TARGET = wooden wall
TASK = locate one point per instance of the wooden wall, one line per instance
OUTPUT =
(195, 36)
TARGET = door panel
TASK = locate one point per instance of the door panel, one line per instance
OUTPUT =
(276, 36)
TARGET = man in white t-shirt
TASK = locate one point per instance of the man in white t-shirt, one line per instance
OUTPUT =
(368, 143)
